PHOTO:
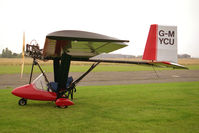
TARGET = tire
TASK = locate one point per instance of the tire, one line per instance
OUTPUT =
(63, 107)
(22, 102)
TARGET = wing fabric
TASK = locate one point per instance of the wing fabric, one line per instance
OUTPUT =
(80, 44)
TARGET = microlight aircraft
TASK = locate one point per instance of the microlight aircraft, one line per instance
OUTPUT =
(69, 45)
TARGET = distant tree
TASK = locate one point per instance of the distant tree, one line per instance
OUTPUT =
(184, 56)
(19, 55)
(14, 54)
(139, 56)
(6, 53)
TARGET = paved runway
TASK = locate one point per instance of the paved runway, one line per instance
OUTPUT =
(111, 78)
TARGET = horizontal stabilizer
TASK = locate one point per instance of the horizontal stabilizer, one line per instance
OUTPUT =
(168, 64)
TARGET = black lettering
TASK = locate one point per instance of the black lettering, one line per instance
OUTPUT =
(166, 41)
(161, 40)
(171, 33)
(171, 42)
(161, 33)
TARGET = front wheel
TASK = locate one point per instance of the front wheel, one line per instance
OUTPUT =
(22, 102)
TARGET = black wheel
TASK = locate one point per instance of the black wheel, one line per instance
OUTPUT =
(22, 102)
(62, 107)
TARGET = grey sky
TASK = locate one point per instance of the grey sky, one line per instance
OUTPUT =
(123, 19)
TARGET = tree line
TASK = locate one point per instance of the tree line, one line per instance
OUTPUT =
(6, 53)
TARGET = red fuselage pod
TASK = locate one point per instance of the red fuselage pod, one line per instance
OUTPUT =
(63, 102)
(29, 91)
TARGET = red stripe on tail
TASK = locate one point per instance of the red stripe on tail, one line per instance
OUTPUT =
(150, 51)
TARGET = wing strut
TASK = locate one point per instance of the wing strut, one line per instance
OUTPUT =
(36, 63)
(72, 86)
(87, 72)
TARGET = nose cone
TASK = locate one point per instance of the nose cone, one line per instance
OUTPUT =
(20, 91)
(16, 91)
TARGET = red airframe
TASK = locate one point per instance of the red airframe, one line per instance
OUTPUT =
(38, 90)
(63, 47)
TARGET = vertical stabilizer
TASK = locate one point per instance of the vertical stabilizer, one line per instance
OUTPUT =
(161, 44)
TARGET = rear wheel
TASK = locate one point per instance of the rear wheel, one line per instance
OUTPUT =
(63, 107)
(22, 102)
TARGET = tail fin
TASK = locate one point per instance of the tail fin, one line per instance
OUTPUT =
(161, 44)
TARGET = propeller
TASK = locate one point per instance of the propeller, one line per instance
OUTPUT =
(23, 54)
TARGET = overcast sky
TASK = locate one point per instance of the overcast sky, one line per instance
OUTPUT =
(123, 19)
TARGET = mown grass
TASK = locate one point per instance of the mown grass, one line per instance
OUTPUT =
(13, 66)
(11, 69)
(14, 69)
(28, 61)
(139, 108)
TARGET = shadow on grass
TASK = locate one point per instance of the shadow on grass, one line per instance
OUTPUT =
(43, 104)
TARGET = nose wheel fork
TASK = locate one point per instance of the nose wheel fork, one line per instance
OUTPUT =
(22, 102)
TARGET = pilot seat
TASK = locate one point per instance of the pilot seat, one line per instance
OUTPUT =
(54, 85)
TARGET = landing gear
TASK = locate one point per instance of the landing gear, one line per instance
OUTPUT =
(22, 102)
(62, 107)
(63, 103)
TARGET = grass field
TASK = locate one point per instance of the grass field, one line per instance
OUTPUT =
(146, 108)
(12, 66)
(13, 69)
(28, 61)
